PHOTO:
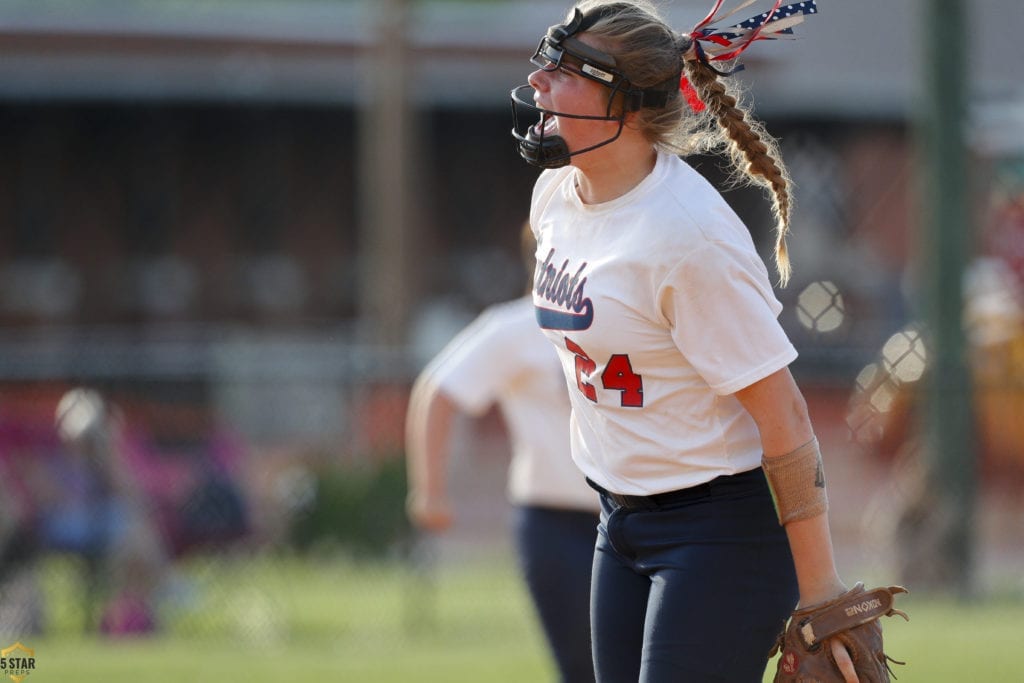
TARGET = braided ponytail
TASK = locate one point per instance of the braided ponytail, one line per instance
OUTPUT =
(753, 152)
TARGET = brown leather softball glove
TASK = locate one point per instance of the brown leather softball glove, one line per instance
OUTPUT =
(852, 618)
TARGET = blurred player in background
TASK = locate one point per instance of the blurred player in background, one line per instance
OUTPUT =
(502, 359)
(108, 517)
(685, 415)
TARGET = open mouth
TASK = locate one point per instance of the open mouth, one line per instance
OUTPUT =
(546, 127)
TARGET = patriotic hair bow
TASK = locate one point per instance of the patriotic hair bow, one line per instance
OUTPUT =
(709, 44)
(720, 45)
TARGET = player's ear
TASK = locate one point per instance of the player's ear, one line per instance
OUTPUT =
(632, 120)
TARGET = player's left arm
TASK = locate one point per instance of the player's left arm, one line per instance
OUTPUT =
(427, 435)
(780, 411)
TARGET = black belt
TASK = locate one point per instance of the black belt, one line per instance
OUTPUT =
(659, 500)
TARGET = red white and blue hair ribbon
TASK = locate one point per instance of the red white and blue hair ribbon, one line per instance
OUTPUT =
(724, 44)
(721, 45)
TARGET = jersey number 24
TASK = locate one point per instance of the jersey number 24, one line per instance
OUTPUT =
(618, 376)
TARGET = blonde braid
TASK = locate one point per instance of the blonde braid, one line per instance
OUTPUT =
(754, 153)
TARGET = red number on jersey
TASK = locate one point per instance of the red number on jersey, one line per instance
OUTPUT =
(584, 366)
(618, 374)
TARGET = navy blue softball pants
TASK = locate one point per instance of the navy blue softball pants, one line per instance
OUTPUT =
(694, 590)
(556, 553)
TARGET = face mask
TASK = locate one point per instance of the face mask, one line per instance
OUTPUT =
(560, 49)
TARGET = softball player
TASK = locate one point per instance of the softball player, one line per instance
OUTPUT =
(685, 416)
(501, 358)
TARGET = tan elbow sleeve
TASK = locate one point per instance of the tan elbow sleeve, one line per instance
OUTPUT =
(797, 482)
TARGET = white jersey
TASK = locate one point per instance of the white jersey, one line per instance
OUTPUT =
(661, 309)
(501, 357)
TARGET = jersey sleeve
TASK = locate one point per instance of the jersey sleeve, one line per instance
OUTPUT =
(724, 317)
(544, 189)
(469, 369)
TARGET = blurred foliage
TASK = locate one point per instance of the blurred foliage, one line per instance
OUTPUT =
(356, 508)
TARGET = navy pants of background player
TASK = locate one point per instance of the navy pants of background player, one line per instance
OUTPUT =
(556, 553)
(695, 589)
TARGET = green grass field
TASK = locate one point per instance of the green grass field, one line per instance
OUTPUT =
(278, 619)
